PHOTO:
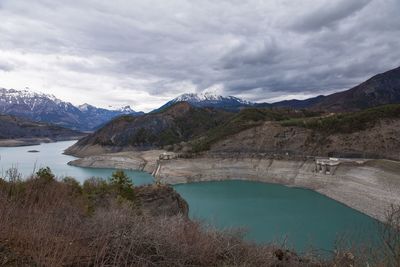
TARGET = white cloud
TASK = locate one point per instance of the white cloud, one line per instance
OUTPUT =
(143, 53)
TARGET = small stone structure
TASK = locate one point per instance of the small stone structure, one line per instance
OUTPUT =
(326, 166)
(167, 156)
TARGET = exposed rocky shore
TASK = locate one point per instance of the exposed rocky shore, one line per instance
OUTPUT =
(369, 186)
(138, 160)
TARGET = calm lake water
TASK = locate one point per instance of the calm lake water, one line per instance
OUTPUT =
(50, 155)
(268, 212)
(271, 212)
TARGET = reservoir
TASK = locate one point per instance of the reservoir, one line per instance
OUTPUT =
(300, 218)
(51, 155)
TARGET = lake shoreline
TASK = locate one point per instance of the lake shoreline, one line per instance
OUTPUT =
(369, 187)
(20, 142)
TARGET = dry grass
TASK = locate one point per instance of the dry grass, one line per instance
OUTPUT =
(56, 223)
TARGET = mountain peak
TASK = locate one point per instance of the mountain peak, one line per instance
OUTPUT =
(208, 99)
(26, 95)
(126, 109)
(194, 98)
(85, 107)
(42, 107)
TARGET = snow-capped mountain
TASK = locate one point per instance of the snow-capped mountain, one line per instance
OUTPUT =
(47, 108)
(209, 100)
(124, 109)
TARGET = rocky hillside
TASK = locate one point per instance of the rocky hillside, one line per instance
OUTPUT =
(47, 108)
(381, 89)
(180, 122)
(12, 127)
(372, 133)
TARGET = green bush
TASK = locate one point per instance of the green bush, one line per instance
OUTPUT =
(45, 174)
(245, 119)
(346, 122)
(123, 185)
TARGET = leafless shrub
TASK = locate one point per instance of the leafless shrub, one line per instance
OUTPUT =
(390, 233)
(49, 222)
(383, 251)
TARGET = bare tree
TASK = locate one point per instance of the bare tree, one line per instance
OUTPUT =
(390, 234)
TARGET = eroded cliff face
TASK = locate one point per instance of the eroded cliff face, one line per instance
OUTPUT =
(368, 186)
(380, 141)
(161, 200)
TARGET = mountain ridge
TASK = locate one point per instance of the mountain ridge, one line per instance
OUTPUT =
(175, 124)
(380, 89)
(15, 131)
(42, 107)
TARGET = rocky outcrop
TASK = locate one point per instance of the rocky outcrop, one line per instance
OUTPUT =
(161, 200)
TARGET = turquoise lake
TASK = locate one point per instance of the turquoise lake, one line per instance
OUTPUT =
(268, 212)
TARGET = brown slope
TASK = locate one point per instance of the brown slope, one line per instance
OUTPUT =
(381, 89)
(178, 123)
(379, 141)
(370, 133)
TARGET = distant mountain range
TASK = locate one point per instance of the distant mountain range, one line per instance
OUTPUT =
(47, 108)
(381, 89)
(209, 118)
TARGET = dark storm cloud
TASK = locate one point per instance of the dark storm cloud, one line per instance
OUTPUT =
(328, 14)
(145, 52)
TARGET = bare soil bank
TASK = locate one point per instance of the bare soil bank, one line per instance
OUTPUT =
(140, 160)
(370, 187)
(380, 141)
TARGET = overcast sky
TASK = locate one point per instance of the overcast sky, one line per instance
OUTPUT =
(144, 53)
